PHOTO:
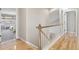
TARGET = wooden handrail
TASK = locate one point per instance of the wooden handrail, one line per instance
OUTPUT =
(40, 27)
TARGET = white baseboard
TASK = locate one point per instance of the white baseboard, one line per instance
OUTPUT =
(32, 45)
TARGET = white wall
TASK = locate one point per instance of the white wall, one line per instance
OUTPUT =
(78, 22)
(35, 17)
(30, 18)
(52, 32)
(0, 26)
(22, 23)
(53, 17)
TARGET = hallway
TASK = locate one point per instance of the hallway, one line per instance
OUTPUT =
(39, 27)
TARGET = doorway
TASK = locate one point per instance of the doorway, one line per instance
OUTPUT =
(70, 18)
(7, 27)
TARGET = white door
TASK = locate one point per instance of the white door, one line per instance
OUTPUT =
(71, 21)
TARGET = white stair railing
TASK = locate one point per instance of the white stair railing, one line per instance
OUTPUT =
(39, 27)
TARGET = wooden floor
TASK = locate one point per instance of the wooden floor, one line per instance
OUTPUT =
(10, 45)
(67, 42)
(20, 45)
(16, 45)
